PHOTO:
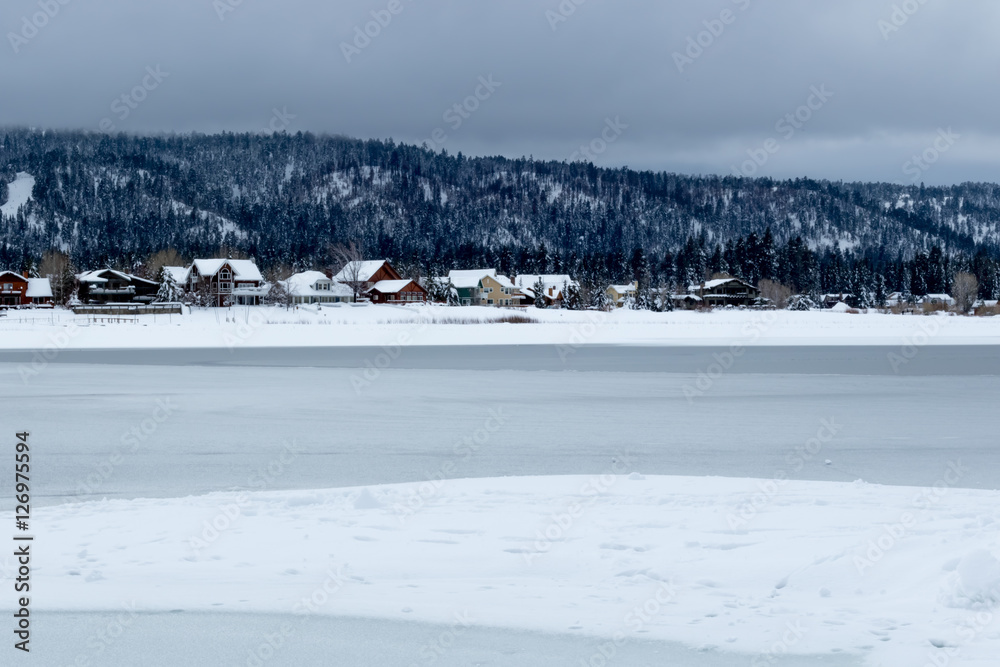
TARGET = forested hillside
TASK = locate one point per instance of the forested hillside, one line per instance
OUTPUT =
(285, 199)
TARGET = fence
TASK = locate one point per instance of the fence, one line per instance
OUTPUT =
(131, 309)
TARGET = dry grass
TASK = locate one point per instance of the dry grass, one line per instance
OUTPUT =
(503, 319)
(935, 307)
(988, 311)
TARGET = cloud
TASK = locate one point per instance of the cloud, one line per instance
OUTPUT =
(398, 68)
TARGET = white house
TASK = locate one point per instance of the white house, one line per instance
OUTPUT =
(316, 287)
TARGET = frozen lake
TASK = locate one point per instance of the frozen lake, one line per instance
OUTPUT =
(199, 422)
(259, 639)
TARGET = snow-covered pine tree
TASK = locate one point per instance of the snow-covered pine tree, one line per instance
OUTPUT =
(170, 291)
(539, 289)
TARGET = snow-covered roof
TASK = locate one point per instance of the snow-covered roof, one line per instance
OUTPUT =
(718, 282)
(243, 269)
(389, 286)
(11, 273)
(364, 270)
(179, 273)
(95, 277)
(39, 288)
(623, 289)
(549, 280)
(304, 284)
(504, 281)
(937, 297)
(470, 278)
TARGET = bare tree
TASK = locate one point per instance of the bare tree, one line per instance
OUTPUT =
(347, 264)
(965, 291)
(58, 268)
(774, 292)
(156, 261)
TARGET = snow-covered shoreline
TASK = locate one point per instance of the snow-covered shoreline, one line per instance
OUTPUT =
(756, 567)
(435, 325)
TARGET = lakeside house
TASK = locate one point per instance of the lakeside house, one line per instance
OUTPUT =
(726, 292)
(18, 291)
(620, 294)
(397, 292)
(379, 282)
(482, 287)
(227, 282)
(109, 286)
(554, 288)
(316, 287)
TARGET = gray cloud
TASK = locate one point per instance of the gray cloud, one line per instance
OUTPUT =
(563, 69)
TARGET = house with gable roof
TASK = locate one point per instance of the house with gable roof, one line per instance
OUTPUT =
(316, 287)
(227, 282)
(110, 286)
(17, 291)
(483, 287)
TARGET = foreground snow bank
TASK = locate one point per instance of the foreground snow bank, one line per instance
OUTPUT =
(898, 574)
(440, 325)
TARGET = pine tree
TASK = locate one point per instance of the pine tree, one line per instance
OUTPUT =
(539, 289)
(170, 291)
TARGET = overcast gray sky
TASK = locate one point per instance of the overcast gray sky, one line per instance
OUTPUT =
(682, 85)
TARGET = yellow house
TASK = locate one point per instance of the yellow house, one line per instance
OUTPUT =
(496, 290)
(619, 293)
(482, 287)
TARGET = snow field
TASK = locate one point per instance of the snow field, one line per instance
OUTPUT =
(900, 575)
(433, 325)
